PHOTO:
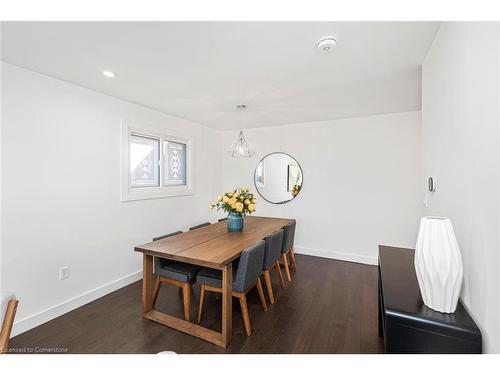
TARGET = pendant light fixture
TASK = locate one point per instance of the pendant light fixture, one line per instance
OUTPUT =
(240, 147)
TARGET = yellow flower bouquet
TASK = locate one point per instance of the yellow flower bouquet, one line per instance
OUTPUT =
(237, 203)
(240, 201)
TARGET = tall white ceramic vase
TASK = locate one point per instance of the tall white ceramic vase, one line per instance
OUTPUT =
(438, 264)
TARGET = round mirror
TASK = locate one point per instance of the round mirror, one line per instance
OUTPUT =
(278, 178)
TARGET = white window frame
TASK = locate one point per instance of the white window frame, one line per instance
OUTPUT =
(129, 193)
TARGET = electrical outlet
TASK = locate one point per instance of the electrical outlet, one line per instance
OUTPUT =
(64, 272)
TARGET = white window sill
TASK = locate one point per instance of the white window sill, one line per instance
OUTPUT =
(138, 194)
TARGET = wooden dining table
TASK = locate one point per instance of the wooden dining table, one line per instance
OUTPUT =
(211, 246)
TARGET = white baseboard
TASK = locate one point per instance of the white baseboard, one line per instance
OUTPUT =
(44, 316)
(349, 257)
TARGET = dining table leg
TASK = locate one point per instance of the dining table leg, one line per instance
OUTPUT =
(227, 304)
(221, 339)
(147, 283)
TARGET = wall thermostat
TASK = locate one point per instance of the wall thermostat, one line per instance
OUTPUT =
(432, 185)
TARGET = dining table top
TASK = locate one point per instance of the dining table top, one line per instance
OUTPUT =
(213, 245)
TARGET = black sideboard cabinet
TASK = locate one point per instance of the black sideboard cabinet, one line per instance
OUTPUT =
(407, 325)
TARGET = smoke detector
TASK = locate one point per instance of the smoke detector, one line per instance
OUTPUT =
(326, 44)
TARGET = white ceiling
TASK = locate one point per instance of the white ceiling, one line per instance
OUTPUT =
(202, 70)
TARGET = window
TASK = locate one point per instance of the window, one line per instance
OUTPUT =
(144, 161)
(155, 165)
(175, 163)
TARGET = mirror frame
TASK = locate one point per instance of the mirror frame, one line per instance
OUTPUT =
(260, 161)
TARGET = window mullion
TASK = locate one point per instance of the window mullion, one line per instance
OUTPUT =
(162, 158)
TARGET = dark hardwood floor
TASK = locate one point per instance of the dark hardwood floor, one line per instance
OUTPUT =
(329, 307)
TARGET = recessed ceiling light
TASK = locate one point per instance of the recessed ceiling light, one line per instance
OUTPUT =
(108, 73)
(326, 44)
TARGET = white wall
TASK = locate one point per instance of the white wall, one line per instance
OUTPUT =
(61, 193)
(1, 105)
(461, 134)
(361, 182)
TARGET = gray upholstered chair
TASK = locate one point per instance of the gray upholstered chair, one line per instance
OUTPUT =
(245, 277)
(175, 273)
(274, 243)
(167, 235)
(200, 226)
(287, 248)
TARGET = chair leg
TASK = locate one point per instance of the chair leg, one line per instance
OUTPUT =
(278, 268)
(267, 278)
(202, 299)
(8, 321)
(261, 295)
(292, 256)
(244, 311)
(156, 290)
(285, 261)
(186, 297)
